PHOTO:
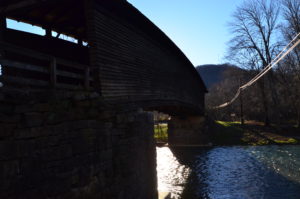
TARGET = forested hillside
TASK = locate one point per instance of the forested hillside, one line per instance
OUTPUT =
(213, 74)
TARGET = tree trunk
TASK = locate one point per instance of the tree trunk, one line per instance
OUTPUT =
(264, 101)
(274, 96)
(298, 119)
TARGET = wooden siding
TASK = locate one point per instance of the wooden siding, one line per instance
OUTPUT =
(134, 63)
(34, 62)
(128, 60)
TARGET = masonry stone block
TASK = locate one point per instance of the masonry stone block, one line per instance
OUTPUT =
(187, 131)
(75, 148)
(32, 119)
(9, 118)
(7, 130)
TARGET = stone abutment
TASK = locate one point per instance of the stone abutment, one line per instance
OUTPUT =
(74, 146)
(188, 131)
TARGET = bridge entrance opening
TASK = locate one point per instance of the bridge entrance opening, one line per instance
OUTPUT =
(161, 121)
(178, 126)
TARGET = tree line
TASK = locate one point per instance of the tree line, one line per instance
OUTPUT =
(260, 29)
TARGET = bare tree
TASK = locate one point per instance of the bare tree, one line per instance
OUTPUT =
(292, 16)
(290, 70)
(254, 28)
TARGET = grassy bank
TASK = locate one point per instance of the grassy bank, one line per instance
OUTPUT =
(161, 132)
(253, 133)
(233, 133)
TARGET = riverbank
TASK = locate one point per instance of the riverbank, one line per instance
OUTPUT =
(253, 133)
(161, 133)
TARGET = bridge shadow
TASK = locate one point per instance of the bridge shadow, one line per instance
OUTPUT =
(253, 177)
(187, 156)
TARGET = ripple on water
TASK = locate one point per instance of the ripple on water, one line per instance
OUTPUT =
(268, 172)
(172, 175)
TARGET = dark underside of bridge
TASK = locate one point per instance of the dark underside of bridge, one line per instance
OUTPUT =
(74, 115)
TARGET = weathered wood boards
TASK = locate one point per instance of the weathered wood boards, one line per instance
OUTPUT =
(127, 56)
(21, 73)
(136, 59)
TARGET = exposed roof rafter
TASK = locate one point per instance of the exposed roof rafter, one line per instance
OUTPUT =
(19, 5)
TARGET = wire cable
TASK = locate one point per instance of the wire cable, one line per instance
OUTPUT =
(266, 68)
(286, 50)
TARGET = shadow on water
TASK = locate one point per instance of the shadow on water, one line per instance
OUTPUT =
(270, 172)
(187, 157)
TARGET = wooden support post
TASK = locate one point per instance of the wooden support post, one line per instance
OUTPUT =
(48, 32)
(87, 78)
(2, 30)
(53, 77)
(80, 42)
(92, 39)
(2, 52)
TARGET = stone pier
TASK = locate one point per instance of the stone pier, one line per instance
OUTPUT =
(74, 146)
(187, 131)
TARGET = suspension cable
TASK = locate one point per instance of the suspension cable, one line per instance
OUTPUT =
(286, 50)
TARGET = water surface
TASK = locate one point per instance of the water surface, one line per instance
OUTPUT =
(261, 172)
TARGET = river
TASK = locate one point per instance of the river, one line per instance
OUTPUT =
(252, 172)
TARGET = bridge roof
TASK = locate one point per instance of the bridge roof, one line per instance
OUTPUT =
(68, 17)
(64, 16)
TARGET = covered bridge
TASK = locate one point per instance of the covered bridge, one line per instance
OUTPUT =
(74, 101)
(116, 51)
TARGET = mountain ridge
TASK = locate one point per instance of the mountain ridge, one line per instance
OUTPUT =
(213, 73)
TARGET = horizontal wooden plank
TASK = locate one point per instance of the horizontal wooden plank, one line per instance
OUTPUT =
(71, 64)
(24, 81)
(23, 66)
(41, 69)
(69, 86)
(38, 55)
(70, 74)
(24, 51)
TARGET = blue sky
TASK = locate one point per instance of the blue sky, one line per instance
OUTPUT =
(198, 27)
(23, 26)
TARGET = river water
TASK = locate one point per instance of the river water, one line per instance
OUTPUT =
(256, 172)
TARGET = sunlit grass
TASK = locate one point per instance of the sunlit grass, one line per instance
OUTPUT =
(233, 133)
(227, 124)
(227, 133)
(161, 132)
(288, 141)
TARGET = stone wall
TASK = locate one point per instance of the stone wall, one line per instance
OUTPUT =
(74, 146)
(188, 131)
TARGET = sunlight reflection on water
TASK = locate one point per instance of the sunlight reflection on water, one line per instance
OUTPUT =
(171, 175)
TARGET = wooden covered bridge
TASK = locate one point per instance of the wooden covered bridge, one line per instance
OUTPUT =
(118, 52)
(115, 52)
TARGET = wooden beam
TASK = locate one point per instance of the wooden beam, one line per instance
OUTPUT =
(42, 69)
(70, 30)
(2, 22)
(2, 30)
(48, 32)
(80, 42)
(90, 21)
(18, 6)
(53, 76)
(39, 55)
(87, 78)
(24, 81)
(23, 66)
